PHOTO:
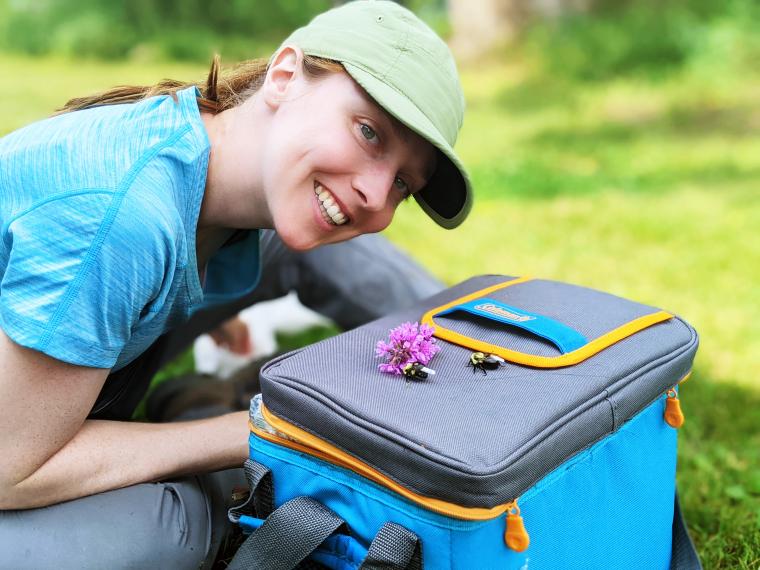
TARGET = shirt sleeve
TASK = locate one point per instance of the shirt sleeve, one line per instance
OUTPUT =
(81, 273)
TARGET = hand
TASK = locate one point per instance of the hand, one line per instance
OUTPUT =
(233, 335)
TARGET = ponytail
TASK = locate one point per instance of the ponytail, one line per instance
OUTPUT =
(222, 89)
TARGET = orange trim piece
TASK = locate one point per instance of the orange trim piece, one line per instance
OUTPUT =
(567, 359)
(310, 444)
(673, 414)
(516, 537)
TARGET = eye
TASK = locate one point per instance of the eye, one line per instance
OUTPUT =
(402, 187)
(368, 132)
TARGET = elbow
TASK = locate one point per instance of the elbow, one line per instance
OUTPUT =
(21, 486)
(9, 499)
(16, 496)
(13, 487)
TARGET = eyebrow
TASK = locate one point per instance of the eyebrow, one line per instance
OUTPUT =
(398, 127)
(402, 131)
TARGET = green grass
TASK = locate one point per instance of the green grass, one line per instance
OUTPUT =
(644, 188)
(719, 471)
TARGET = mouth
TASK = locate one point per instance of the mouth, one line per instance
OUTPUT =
(328, 206)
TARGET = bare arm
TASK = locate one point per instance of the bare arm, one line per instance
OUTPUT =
(51, 453)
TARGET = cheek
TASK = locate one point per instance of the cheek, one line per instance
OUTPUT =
(381, 219)
(335, 141)
(308, 141)
(336, 151)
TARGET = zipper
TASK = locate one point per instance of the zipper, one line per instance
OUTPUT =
(306, 442)
(673, 415)
(515, 536)
(300, 440)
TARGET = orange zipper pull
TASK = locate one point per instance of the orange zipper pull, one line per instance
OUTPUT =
(673, 415)
(515, 536)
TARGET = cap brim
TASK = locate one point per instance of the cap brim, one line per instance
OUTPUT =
(447, 197)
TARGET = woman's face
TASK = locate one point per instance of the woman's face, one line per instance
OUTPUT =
(335, 164)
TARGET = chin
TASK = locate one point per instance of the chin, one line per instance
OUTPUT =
(296, 241)
(296, 238)
(300, 234)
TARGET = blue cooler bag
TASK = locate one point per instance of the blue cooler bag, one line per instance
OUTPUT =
(545, 440)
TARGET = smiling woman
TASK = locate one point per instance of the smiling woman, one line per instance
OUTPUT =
(342, 176)
(137, 218)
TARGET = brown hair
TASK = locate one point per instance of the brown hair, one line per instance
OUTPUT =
(221, 90)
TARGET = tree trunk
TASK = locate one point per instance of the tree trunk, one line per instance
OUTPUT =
(481, 25)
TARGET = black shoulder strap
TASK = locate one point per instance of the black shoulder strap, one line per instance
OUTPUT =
(684, 555)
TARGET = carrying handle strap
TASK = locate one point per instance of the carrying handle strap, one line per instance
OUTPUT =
(394, 548)
(565, 338)
(260, 501)
(292, 532)
(684, 555)
(297, 528)
(575, 351)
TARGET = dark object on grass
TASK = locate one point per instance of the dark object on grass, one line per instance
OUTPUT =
(194, 396)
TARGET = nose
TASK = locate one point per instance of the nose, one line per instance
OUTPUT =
(372, 186)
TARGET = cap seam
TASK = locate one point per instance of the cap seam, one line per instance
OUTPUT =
(392, 65)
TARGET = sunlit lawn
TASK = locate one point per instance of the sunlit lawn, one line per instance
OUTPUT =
(648, 190)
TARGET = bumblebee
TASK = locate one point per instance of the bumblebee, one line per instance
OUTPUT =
(416, 371)
(484, 362)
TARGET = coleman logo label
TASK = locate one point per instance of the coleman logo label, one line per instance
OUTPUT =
(502, 312)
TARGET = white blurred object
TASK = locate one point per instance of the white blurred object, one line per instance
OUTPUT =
(264, 320)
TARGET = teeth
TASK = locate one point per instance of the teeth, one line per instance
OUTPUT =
(330, 210)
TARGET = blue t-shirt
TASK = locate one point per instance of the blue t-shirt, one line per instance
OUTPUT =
(98, 212)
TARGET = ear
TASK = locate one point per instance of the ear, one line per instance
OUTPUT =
(282, 75)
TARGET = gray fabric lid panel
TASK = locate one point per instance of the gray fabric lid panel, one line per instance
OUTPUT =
(461, 436)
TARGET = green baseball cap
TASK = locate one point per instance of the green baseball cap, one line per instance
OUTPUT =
(410, 72)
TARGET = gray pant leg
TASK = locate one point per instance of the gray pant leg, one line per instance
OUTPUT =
(360, 280)
(178, 525)
(351, 282)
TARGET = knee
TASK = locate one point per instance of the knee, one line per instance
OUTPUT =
(177, 531)
(162, 525)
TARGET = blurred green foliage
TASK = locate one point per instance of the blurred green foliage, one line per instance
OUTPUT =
(646, 37)
(173, 29)
(189, 30)
(616, 37)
